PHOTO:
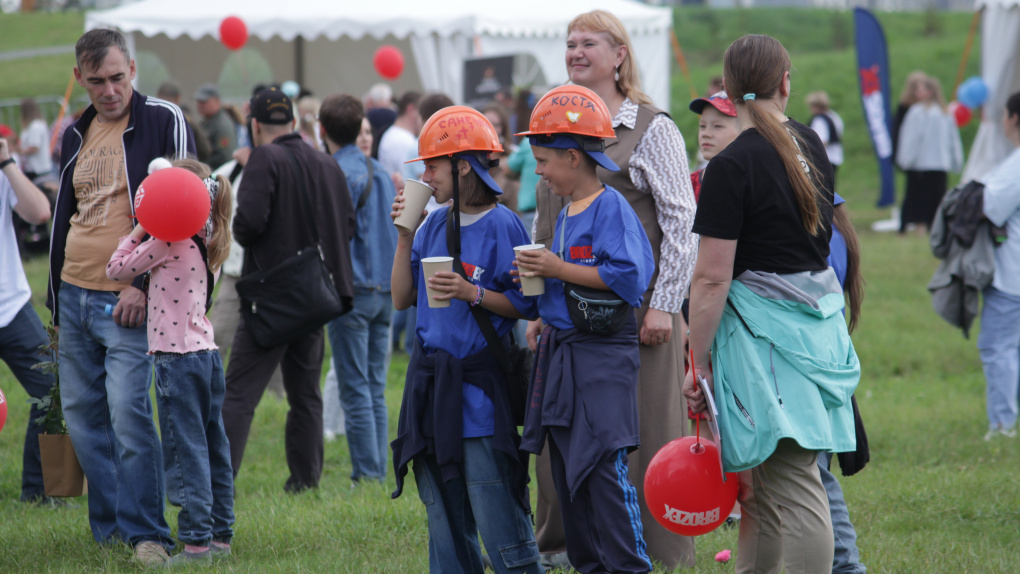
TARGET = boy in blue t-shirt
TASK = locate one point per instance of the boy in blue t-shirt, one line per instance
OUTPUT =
(455, 420)
(583, 396)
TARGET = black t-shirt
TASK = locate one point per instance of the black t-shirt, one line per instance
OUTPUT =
(746, 195)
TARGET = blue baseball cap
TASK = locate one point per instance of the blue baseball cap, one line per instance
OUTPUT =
(592, 146)
(482, 170)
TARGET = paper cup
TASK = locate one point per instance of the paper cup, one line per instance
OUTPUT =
(531, 286)
(416, 197)
(429, 267)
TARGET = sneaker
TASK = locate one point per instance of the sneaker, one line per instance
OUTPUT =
(151, 554)
(190, 559)
(999, 430)
(219, 552)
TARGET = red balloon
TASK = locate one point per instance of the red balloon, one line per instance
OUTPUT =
(172, 204)
(684, 489)
(233, 33)
(389, 62)
(3, 409)
(961, 113)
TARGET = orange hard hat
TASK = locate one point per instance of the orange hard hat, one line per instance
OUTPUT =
(571, 109)
(455, 130)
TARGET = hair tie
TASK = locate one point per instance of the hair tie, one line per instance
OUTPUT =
(212, 185)
(749, 96)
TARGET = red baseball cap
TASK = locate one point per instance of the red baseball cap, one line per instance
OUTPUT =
(719, 101)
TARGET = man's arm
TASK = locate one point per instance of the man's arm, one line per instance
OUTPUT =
(254, 197)
(32, 205)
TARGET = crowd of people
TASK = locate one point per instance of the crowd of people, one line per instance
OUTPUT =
(745, 265)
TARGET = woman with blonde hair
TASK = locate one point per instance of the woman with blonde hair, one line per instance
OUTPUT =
(655, 180)
(929, 147)
(767, 332)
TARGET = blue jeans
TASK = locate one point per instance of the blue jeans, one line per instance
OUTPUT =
(404, 323)
(19, 348)
(999, 343)
(846, 559)
(105, 375)
(481, 500)
(361, 351)
(196, 455)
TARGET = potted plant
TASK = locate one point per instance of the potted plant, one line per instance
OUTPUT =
(62, 474)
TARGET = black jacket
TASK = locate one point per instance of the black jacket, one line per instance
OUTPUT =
(156, 129)
(271, 222)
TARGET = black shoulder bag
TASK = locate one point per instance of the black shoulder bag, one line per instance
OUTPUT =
(596, 311)
(294, 297)
(516, 363)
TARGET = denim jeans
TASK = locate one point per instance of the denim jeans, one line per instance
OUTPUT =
(481, 500)
(196, 455)
(846, 559)
(105, 375)
(403, 324)
(19, 348)
(999, 343)
(361, 352)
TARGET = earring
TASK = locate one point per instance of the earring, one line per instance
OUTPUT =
(616, 75)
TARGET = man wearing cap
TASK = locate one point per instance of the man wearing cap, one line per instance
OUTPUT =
(217, 125)
(272, 225)
(105, 369)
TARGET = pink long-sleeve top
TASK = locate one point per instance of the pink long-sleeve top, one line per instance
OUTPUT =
(177, 291)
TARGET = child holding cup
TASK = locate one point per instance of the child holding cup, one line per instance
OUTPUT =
(596, 274)
(455, 419)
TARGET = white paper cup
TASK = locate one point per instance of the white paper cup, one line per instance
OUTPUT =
(416, 197)
(429, 267)
(531, 286)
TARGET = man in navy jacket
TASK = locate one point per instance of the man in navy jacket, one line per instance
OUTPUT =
(105, 371)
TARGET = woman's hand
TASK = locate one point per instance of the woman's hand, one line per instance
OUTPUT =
(538, 263)
(692, 391)
(452, 286)
(657, 328)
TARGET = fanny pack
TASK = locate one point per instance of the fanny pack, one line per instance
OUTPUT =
(596, 311)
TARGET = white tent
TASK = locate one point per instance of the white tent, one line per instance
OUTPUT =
(327, 45)
(1000, 69)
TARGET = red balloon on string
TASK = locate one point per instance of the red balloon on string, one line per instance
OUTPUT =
(389, 62)
(233, 33)
(684, 489)
(3, 410)
(172, 204)
(961, 113)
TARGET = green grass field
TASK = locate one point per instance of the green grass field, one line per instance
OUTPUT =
(936, 498)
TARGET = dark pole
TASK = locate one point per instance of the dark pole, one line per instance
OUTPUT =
(299, 60)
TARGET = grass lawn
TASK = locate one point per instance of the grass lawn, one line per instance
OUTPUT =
(935, 497)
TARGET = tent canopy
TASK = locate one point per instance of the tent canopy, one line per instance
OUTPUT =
(328, 45)
(1000, 69)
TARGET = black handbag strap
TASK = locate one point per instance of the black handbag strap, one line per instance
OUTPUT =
(484, 323)
(209, 279)
(306, 202)
(368, 186)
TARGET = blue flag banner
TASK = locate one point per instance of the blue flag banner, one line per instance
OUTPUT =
(873, 74)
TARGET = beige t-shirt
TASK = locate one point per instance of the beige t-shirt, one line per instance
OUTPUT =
(104, 207)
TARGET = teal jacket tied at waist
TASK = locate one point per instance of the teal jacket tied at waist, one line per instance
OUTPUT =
(784, 367)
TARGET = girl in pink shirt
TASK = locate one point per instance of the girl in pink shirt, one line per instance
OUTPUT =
(189, 373)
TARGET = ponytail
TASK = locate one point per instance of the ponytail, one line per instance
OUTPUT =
(219, 243)
(754, 68)
(853, 285)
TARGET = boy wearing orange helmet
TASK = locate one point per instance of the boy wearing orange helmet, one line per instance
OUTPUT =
(455, 417)
(584, 391)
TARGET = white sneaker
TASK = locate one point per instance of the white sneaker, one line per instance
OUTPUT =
(999, 430)
(151, 554)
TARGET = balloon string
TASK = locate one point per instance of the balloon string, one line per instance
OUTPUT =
(697, 418)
